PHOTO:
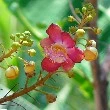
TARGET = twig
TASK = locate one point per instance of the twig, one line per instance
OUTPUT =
(43, 92)
(26, 90)
(73, 11)
(50, 86)
(27, 79)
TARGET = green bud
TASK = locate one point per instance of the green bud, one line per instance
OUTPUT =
(23, 34)
(72, 29)
(21, 37)
(97, 30)
(71, 18)
(80, 33)
(18, 35)
(89, 18)
(31, 52)
(27, 33)
(84, 9)
(16, 45)
(12, 37)
(77, 10)
(25, 43)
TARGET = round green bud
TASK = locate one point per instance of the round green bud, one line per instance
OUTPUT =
(25, 43)
(16, 45)
(77, 10)
(12, 37)
(89, 18)
(31, 52)
(80, 33)
(27, 33)
(84, 9)
(72, 29)
(97, 30)
(71, 18)
(18, 35)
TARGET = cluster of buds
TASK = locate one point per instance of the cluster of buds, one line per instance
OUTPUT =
(21, 39)
(56, 55)
(87, 14)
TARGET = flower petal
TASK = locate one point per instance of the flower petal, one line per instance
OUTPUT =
(54, 32)
(68, 64)
(48, 65)
(67, 40)
(75, 54)
(46, 42)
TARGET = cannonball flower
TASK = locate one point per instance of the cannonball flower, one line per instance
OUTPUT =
(60, 50)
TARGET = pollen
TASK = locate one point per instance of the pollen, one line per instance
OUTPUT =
(57, 53)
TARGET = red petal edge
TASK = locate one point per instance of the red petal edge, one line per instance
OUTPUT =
(48, 65)
(68, 64)
(46, 42)
(54, 32)
(76, 55)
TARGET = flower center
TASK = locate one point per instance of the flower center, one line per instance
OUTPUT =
(57, 53)
(59, 49)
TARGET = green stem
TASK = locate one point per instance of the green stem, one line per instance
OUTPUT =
(25, 22)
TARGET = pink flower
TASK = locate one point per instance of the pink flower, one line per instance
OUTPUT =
(60, 50)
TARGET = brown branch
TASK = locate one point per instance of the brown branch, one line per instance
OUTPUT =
(100, 84)
(25, 90)
(7, 54)
(73, 11)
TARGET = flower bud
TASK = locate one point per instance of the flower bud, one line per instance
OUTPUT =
(77, 10)
(92, 43)
(51, 98)
(12, 37)
(71, 18)
(12, 72)
(72, 29)
(80, 32)
(27, 33)
(90, 54)
(29, 68)
(16, 45)
(97, 30)
(84, 9)
(26, 43)
(18, 35)
(89, 18)
(31, 52)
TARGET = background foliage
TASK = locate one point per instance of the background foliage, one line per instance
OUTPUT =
(36, 16)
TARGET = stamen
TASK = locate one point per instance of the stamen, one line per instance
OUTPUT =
(56, 53)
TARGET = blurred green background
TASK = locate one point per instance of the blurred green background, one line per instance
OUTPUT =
(35, 16)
